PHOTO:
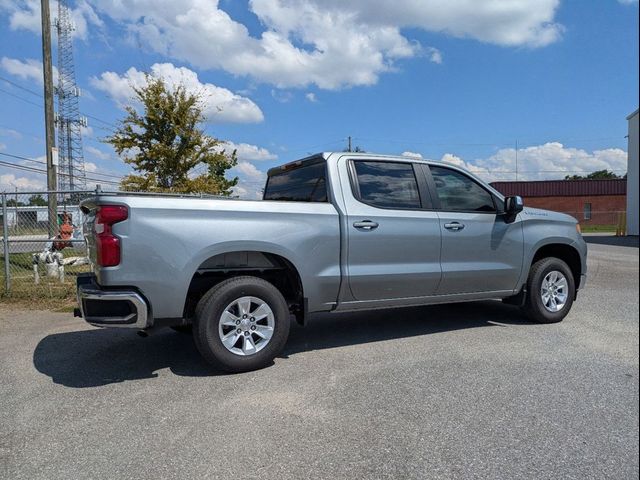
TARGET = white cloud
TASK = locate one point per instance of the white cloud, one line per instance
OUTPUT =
(250, 171)
(627, 2)
(25, 15)
(250, 153)
(9, 182)
(240, 192)
(329, 43)
(2, 146)
(29, 69)
(548, 161)
(411, 154)
(282, 96)
(90, 167)
(434, 55)
(507, 23)
(251, 180)
(87, 131)
(8, 132)
(220, 104)
(311, 97)
(99, 154)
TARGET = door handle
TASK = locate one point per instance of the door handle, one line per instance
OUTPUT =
(454, 226)
(365, 225)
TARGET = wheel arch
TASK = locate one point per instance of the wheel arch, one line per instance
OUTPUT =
(565, 252)
(266, 263)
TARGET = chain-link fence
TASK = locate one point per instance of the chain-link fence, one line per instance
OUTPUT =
(42, 244)
(612, 221)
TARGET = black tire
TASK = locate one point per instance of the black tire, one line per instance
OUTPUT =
(210, 309)
(534, 307)
(189, 327)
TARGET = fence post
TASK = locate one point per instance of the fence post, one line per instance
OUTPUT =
(5, 244)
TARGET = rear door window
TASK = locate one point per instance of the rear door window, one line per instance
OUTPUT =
(387, 184)
(302, 184)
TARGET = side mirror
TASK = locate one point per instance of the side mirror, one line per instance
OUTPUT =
(512, 207)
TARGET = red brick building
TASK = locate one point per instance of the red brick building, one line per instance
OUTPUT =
(591, 202)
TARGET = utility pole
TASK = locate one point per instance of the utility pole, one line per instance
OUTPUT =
(516, 159)
(349, 144)
(15, 221)
(50, 139)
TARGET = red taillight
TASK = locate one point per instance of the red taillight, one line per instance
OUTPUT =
(107, 244)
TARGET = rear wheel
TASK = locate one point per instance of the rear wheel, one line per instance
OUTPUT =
(242, 324)
(550, 291)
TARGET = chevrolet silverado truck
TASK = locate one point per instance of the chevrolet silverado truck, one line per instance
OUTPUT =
(334, 232)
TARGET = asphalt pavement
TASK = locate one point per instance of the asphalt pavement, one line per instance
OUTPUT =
(461, 391)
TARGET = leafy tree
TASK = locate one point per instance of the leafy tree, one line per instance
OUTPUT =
(12, 202)
(37, 200)
(598, 175)
(167, 148)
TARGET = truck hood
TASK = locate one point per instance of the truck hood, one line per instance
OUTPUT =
(529, 213)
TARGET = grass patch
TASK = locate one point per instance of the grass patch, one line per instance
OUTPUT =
(598, 228)
(50, 293)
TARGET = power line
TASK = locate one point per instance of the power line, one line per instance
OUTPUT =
(44, 172)
(32, 92)
(39, 170)
(39, 105)
(33, 160)
(93, 117)
(99, 120)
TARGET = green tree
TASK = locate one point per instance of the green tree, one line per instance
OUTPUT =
(37, 200)
(12, 202)
(166, 146)
(598, 175)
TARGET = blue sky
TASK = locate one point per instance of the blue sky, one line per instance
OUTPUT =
(461, 81)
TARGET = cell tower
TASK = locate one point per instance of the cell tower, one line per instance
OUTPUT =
(71, 173)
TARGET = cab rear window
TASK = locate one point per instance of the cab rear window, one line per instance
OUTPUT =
(306, 183)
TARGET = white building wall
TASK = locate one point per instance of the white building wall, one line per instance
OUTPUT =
(632, 175)
(42, 213)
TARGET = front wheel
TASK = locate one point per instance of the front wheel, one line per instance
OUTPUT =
(242, 325)
(550, 291)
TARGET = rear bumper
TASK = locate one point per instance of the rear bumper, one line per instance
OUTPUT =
(117, 308)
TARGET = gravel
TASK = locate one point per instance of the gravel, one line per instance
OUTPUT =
(461, 391)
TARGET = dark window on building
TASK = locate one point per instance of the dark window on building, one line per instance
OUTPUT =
(587, 211)
(457, 192)
(27, 219)
(387, 184)
(302, 184)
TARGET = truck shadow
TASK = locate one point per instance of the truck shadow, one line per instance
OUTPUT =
(93, 358)
(629, 241)
(338, 330)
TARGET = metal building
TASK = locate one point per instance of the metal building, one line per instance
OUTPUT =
(632, 175)
(595, 203)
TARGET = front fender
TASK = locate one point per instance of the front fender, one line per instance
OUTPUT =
(540, 235)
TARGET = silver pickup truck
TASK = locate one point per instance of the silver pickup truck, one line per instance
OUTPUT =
(334, 232)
